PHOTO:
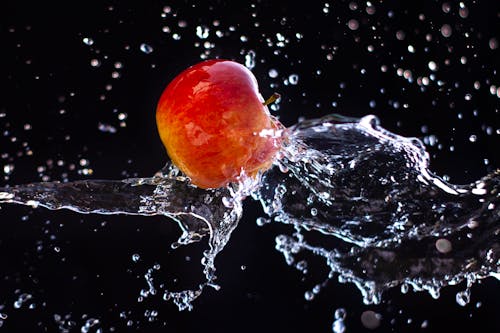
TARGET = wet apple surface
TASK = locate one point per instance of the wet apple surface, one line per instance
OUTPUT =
(214, 124)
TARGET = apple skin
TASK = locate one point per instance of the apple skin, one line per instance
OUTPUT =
(214, 125)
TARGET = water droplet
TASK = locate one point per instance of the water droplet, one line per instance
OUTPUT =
(353, 24)
(23, 298)
(95, 63)
(8, 169)
(443, 245)
(293, 79)
(262, 221)
(88, 41)
(106, 128)
(146, 48)
(202, 31)
(227, 202)
(340, 313)
(463, 297)
(250, 59)
(339, 326)
(273, 73)
(463, 11)
(432, 66)
(446, 7)
(446, 30)
(370, 319)
(493, 43)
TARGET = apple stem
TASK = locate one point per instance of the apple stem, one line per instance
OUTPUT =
(272, 99)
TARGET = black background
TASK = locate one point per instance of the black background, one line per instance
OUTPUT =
(53, 100)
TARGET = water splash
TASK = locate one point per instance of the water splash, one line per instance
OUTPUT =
(357, 195)
(199, 213)
(364, 199)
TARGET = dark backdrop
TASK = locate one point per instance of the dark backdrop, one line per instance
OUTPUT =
(57, 103)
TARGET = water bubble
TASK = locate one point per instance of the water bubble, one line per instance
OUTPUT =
(136, 257)
(146, 48)
(370, 319)
(308, 295)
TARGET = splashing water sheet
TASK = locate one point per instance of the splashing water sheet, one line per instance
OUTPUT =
(352, 216)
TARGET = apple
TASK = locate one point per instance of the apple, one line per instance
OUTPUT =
(215, 124)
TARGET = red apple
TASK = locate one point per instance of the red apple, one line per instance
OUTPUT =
(214, 124)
